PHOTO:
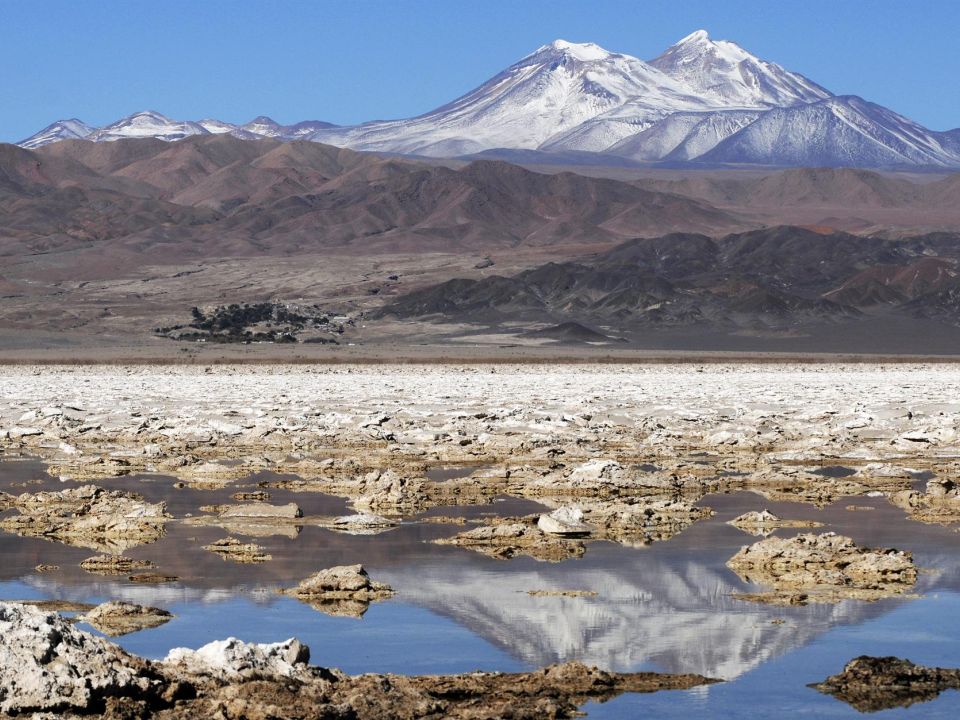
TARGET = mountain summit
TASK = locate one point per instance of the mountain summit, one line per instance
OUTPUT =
(549, 92)
(728, 74)
(700, 101)
(72, 129)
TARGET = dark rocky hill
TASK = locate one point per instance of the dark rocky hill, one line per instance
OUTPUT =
(780, 279)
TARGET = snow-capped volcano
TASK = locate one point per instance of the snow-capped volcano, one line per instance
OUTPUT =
(554, 89)
(702, 100)
(722, 71)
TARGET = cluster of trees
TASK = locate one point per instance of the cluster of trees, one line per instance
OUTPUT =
(257, 322)
(234, 319)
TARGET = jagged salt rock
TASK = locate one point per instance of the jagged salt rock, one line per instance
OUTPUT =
(567, 520)
(233, 659)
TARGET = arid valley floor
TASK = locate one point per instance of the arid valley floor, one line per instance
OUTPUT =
(726, 533)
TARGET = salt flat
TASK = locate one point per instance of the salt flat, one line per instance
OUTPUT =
(560, 512)
(764, 404)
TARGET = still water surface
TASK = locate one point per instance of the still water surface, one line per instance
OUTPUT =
(667, 606)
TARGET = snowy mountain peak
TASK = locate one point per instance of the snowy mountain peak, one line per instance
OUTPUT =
(145, 117)
(702, 100)
(584, 52)
(217, 127)
(723, 71)
(148, 123)
(72, 129)
(545, 95)
(264, 126)
(696, 37)
(263, 121)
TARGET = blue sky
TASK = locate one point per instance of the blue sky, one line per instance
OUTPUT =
(357, 60)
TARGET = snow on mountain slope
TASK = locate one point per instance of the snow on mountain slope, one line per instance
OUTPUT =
(951, 140)
(568, 96)
(303, 130)
(684, 136)
(634, 116)
(722, 71)
(217, 127)
(156, 125)
(719, 75)
(551, 91)
(838, 131)
(71, 129)
(148, 123)
(701, 100)
(266, 127)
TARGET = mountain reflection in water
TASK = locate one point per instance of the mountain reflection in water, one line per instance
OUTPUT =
(667, 606)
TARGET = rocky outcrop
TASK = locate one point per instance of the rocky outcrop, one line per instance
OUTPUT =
(764, 522)
(636, 521)
(49, 666)
(565, 521)
(341, 590)
(940, 504)
(362, 524)
(252, 496)
(596, 439)
(807, 487)
(88, 516)
(388, 491)
(253, 519)
(152, 578)
(822, 568)
(230, 548)
(261, 511)
(870, 684)
(507, 538)
(121, 618)
(232, 660)
(114, 564)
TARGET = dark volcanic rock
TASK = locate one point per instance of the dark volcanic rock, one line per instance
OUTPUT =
(780, 278)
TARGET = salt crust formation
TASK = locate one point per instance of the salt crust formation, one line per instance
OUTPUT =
(605, 448)
(822, 568)
(764, 522)
(87, 516)
(231, 548)
(870, 684)
(121, 618)
(341, 590)
(52, 669)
